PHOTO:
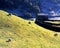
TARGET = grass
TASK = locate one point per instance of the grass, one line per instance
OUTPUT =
(53, 22)
(25, 35)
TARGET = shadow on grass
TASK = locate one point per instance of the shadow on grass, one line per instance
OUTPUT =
(48, 26)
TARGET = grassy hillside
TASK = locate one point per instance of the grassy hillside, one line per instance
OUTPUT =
(25, 35)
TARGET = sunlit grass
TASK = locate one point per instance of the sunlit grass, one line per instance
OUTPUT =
(53, 22)
(25, 35)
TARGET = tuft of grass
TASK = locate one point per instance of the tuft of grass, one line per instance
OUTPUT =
(24, 35)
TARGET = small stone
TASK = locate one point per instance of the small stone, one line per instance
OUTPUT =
(29, 22)
(55, 34)
(9, 14)
(8, 40)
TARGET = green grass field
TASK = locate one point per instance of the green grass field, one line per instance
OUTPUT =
(25, 35)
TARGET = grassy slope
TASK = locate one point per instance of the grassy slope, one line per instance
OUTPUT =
(25, 35)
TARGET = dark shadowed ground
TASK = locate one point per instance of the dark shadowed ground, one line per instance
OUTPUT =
(48, 26)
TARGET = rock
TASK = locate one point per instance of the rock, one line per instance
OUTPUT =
(56, 34)
(29, 22)
(8, 40)
(9, 14)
